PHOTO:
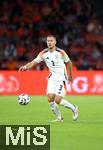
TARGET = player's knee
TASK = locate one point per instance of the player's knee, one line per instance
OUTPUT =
(58, 99)
(51, 97)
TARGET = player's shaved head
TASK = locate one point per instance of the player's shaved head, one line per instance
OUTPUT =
(52, 36)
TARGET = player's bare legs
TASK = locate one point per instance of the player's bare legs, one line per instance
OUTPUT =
(54, 106)
(51, 97)
(59, 100)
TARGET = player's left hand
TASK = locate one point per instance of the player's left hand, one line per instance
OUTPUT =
(70, 78)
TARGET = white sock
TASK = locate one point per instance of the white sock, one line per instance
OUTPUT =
(55, 109)
(67, 104)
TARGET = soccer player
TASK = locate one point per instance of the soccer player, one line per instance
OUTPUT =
(55, 59)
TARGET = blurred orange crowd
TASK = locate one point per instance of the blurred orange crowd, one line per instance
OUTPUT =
(24, 26)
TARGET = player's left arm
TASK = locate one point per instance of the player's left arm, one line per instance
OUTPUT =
(69, 65)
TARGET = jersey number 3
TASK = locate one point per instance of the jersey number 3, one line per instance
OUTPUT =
(53, 64)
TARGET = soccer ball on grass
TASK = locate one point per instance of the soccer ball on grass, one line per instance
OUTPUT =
(23, 99)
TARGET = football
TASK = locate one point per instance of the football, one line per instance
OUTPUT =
(23, 99)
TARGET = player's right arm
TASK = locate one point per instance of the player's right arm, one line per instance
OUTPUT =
(28, 66)
(31, 64)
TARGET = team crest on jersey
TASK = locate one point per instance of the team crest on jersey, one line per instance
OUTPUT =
(56, 56)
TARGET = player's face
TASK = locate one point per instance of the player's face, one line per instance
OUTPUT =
(51, 42)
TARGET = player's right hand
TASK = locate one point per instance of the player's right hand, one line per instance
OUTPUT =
(22, 68)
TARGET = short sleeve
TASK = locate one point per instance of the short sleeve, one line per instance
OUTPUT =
(65, 56)
(39, 58)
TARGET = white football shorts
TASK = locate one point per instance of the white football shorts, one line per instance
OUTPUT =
(56, 87)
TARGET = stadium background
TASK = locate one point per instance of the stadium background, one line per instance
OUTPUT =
(78, 27)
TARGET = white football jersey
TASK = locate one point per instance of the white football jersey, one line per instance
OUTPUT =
(55, 62)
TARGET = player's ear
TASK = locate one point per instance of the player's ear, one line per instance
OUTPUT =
(55, 42)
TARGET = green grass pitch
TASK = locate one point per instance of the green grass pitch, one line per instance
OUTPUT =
(84, 134)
